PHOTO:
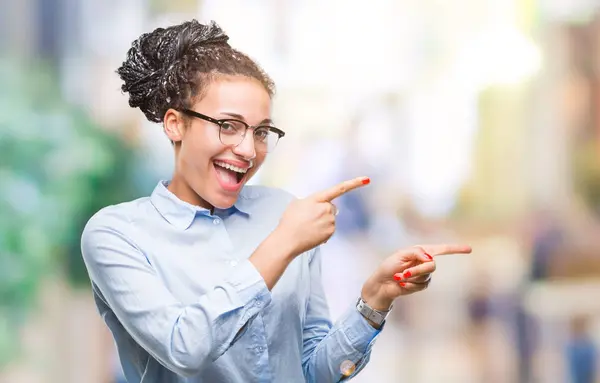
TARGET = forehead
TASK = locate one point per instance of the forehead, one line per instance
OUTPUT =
(241, 95)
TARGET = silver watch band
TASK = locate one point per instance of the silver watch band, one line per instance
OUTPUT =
(375, 316)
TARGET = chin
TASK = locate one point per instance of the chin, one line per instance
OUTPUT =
(223, 202)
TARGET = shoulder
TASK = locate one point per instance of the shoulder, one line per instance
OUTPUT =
(265, 203)
(110, 237)
(114, 220)
(256, 195)
(123, 213)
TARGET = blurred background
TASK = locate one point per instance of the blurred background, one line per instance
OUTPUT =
(477, 120)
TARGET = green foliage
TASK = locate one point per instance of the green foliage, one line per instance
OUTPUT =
(56, 169)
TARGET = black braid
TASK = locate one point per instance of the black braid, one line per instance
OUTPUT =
(169, 67)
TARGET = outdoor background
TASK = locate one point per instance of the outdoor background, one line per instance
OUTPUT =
(477, 120)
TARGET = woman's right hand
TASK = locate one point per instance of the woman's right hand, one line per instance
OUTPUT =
(309, 222)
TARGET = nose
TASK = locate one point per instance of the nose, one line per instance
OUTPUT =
(246, 148)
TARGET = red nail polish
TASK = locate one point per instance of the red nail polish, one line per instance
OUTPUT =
(402, 284)
(397, 277)
(429, 256)
(366, 181)
(407, 274)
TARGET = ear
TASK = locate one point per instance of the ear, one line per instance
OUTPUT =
(174, 125)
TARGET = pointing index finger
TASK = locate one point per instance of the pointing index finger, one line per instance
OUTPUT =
(435, 250)
(336, 191)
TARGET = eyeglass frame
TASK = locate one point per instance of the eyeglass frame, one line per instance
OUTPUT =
(192, 113)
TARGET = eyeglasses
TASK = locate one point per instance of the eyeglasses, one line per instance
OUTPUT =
(232, 132)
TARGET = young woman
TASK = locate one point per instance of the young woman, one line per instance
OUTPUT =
(208, 280)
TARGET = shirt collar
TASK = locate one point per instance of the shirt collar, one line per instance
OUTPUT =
(181, 214)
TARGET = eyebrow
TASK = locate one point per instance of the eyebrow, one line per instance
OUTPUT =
(240, 117)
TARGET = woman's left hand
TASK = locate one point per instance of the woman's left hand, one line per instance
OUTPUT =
(405, 272)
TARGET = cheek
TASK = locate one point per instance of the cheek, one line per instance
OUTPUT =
(198, 148)
(258, 161)
(260, 158)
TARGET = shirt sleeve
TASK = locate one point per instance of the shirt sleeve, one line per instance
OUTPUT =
(338, 352)
(182, 337)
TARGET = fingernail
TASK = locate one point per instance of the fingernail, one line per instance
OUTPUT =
(402, 284)
(407, 274)
(366, 181)
(397, 277)
(429, 256)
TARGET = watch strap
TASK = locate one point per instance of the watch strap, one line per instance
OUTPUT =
(375, 316)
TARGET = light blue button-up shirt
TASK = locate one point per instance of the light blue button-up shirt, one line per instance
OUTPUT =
(174, 284)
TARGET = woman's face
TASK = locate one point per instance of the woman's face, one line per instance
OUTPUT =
(202, 161)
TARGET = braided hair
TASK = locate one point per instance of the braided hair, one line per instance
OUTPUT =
(170, 67)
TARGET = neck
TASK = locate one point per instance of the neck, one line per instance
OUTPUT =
(184, 192)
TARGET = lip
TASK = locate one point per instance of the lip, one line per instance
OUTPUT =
(228, 188)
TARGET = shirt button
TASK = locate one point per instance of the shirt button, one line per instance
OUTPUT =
(258, 303)
(233, 263)
(217, 221)
(260, 349)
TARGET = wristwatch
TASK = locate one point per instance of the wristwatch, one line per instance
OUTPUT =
(375, 316)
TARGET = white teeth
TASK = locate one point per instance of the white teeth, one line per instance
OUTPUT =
(231, 167)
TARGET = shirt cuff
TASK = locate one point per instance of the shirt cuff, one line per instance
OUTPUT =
(250, 285)
(359, 332)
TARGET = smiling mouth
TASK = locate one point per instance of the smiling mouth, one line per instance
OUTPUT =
(229, 174)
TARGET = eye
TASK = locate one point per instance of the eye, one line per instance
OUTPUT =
(261, 134)
(231, 127)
